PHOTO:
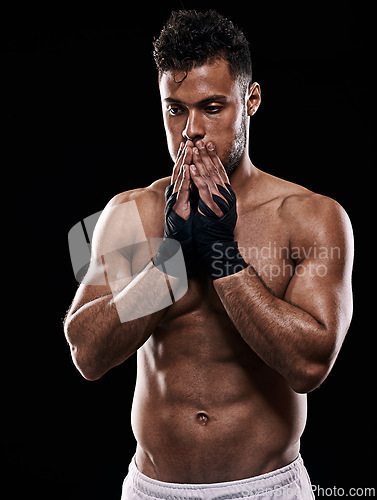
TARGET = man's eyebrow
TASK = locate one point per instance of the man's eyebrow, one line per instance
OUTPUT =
(211, 98)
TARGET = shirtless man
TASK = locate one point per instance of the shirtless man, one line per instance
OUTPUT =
(223, 372)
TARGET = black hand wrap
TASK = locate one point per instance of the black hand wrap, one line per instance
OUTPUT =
(176, 230)
(214, 236)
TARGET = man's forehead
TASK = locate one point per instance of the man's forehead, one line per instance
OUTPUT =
(199, 83)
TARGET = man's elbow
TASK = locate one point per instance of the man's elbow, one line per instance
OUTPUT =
(87, 366)
(85, 362)
(310, 377)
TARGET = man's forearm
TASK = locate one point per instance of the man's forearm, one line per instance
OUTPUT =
(106, 331)
(280, 333)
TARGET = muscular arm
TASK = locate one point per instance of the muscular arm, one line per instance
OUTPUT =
(123, 296)
(98, 338)
(300, 334)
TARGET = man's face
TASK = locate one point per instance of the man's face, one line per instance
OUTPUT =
(206, 105)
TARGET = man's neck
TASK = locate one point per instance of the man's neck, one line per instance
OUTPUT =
(244, 175)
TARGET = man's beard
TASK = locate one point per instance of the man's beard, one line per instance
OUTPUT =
(235, 152)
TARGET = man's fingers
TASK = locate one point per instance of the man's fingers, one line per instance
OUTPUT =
(211, 148)
(209, 177)
(184, 188)
(206, 187)
(187, 156)
(182, 205)
(177, 164)
(178, 180)
(208, 162)
(202, 165)
(183, 150)
(186, 160)
(180, 149)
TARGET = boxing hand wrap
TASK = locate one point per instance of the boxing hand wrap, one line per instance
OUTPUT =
(177, 232)
(214, 236)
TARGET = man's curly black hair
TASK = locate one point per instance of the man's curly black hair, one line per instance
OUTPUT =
(190, 39)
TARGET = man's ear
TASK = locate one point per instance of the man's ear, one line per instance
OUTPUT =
(253, 99)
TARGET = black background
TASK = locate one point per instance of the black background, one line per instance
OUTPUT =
(82, 123)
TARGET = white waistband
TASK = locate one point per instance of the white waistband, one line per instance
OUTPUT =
(286, 478)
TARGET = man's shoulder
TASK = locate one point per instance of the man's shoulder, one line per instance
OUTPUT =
(145, 206)
(147, 194)
(306, 207)
(298, 203)
(307, 214)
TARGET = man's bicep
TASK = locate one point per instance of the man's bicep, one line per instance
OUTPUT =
(321, 283)
(116, 235)
(118, 230)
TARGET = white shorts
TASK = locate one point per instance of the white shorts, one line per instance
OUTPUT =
(289, 482)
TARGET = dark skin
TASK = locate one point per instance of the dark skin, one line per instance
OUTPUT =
(224, 371)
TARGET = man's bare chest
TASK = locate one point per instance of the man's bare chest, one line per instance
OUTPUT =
(264, 242)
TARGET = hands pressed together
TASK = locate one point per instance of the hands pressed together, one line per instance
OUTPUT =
(200, 212)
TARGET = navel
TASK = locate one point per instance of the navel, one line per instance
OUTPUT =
(202, 418)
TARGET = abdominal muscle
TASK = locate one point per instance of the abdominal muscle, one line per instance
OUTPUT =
(206, 408)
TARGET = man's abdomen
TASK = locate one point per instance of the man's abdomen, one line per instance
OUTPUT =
(200, 416)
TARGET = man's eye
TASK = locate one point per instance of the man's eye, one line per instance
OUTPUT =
(213, 109)
(174, 110)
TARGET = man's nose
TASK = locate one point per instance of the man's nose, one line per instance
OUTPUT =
(194, 129)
